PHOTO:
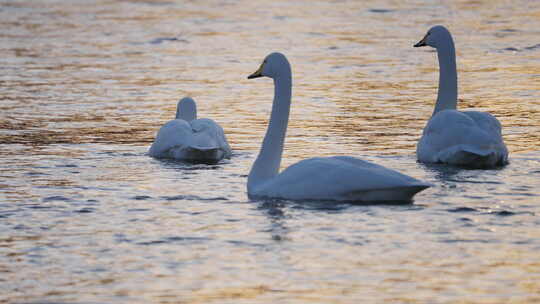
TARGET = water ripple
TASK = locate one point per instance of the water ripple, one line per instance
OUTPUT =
(175, 239)
(192, 198)
(87, 216)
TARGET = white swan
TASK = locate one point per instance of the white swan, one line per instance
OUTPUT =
(471, 139)
(338, 178)
(190, 139)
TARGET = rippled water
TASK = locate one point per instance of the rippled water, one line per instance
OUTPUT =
(87, 217)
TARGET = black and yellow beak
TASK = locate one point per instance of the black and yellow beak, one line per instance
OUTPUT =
(422, 42)
(257, 73)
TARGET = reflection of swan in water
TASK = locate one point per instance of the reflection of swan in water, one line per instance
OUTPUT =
(190, 139)
(279, 212)
(469, 138)
(443, 172)
(338, 178)
(276, 214)
(462, 178)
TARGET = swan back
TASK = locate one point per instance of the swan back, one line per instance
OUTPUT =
(207, 134)
(172, 134)
(186, 109)
(470, 138)
(341, 178)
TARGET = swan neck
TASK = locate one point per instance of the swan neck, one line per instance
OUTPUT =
(448, 89)
(268, 161)
(186, 110)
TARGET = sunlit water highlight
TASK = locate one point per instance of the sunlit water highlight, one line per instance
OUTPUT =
(87, 217)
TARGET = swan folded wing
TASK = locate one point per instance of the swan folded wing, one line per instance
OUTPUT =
(485, 121)
(174, 135)
(492, 129)
(462, 138)
(207, 135)
(334, 178)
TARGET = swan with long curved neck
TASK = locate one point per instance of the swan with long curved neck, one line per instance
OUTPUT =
(187, 138)
(338, 178)
(469, 138)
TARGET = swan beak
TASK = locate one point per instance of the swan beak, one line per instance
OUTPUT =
(421, 42)
(257, 73)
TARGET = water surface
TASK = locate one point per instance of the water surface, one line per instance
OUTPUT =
(87, 217)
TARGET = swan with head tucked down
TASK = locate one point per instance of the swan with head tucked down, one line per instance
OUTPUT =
(338, 178)
(187, 138)
(469, 138)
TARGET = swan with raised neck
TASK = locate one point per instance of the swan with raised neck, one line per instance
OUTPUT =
(462, 138)
(337, 178)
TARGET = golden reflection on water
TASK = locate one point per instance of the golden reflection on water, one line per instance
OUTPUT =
(374, 78)
(111, 72)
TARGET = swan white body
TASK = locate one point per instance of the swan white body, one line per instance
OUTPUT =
(190, 139)
(469, 138)
(339, 178)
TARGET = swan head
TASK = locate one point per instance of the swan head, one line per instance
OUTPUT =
(274, 66)
(186, 109)
(436, 36)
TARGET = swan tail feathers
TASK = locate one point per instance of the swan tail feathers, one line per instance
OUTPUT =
(209, 155)
(203, 155)
(473, 157)
(395, 194)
